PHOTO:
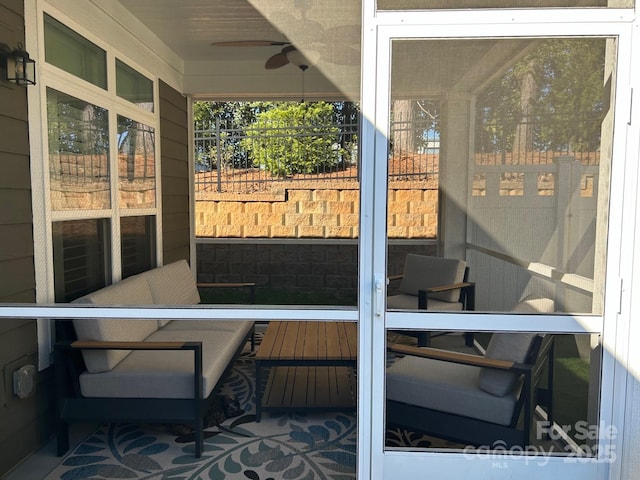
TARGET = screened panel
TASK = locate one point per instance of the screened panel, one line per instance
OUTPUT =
(78, 153)
(136, 164)
(464, 4)
(133, 86)
(73, 53)
(499, 172)
(495, 148)
(444, 397)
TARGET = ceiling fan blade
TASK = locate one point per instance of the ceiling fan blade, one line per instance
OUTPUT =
(341, 55)
(276, 61)
(347, 34)
(250, 43)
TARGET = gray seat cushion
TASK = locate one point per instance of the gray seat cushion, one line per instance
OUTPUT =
(446, 387)
(130, 291)
(241, 327)
(422, 272)
(512, 347)
(173, 284)
(164, 374)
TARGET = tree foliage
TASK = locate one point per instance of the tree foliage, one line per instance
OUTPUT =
(316, 141)
(551, 100)
(302, 139)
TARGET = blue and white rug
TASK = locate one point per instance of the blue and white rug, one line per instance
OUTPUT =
(309, 446)
(282, 446)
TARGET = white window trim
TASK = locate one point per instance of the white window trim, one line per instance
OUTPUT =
(51, 76)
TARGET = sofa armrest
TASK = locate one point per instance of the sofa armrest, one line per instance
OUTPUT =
(123, 345)
(61, 347)
(468, 296)
(456, 357)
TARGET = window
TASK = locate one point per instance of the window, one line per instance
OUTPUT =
(78, 153)
(81, 257)
(133, 86)
(102, 230)
(137, 244)
(73, 53)
(136, 164)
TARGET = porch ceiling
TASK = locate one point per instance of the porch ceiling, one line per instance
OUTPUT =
(325, 29)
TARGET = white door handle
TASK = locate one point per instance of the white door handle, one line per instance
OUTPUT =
(379, 295)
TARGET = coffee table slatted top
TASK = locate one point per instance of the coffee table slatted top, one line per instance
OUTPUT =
(309, 341)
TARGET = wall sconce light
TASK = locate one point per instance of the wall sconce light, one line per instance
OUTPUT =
(19, 67)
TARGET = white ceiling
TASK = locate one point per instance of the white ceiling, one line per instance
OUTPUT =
(190, 27)
(326, 30)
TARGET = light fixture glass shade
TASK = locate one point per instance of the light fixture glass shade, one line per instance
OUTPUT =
(21, 69)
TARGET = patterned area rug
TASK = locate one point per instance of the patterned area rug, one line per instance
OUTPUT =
(282, 446)
(304, 446)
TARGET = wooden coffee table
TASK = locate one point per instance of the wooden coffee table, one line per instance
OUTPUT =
(311, 366)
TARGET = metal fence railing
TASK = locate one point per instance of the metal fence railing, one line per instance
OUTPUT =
(539, 139)
(250, 158)
(244, 159)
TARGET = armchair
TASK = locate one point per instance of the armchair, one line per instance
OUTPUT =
(475, 400)
(433, 283)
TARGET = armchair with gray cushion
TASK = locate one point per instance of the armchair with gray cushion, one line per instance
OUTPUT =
(433, 283)
(471, 399)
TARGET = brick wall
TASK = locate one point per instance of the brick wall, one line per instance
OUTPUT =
(298, 216)
(312, 213)
(294, 267)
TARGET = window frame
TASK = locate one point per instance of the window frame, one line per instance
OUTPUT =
(44, 216)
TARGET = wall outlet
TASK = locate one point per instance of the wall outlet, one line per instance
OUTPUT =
(24, 381)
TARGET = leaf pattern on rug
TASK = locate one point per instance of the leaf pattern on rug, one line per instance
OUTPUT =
(291, 446)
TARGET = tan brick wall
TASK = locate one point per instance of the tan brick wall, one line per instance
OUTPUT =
(312, 213)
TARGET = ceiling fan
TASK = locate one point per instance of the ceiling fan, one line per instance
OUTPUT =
(333, 52)
(335, 44)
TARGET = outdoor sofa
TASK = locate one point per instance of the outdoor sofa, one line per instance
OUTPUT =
(139, 370)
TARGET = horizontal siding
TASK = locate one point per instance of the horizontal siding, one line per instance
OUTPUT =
(175, 151)
(15, 133)
(176, 222)
(175, 185)
(17, 276)
(20, 211)
(26, 423)
(15, 175)
(12, 250)
(174, 146)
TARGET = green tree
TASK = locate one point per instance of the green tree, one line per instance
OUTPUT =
(294, 138)
(557, 88)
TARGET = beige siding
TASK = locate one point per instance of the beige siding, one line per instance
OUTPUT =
(174, 144)
(26, 424)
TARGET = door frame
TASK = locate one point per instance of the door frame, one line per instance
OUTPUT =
(379, 29)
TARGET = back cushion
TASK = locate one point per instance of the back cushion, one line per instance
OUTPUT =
(173, 284)
(512, 347)
(130, 291)
(422, 271)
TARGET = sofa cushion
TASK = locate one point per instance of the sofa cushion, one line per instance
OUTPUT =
(172, 284)
(446, 387)
(164, 374)
(512, 347)
(130, 291)
(240, 327)
(422, 271)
